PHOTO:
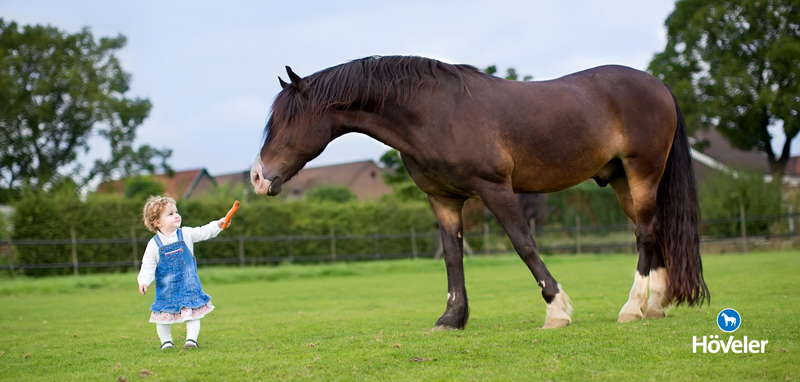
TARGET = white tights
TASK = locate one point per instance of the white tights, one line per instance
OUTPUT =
(192, 331)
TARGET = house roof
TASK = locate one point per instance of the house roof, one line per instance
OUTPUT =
(722, 151)
(792, 166)
(234, 179)
(179, 185)
(364, 178)
(719, 155)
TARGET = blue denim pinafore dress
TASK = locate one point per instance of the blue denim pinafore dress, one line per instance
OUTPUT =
(177, 284)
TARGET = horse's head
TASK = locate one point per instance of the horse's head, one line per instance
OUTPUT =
(293, 137)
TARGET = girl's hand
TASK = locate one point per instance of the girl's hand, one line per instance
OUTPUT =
(142, 289)
(221, 223)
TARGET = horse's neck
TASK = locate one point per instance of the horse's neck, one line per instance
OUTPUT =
(389, 130)
(394, 122)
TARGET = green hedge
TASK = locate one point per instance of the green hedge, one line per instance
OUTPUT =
(722, 196)
(52, 216)
(43, 216)
(595, 205)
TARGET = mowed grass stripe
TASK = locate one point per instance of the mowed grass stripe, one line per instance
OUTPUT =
(371, 321)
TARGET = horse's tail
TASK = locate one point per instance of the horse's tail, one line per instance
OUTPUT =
(678, 215)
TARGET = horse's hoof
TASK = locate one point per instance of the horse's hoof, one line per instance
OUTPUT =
(655, 314)
(554, 323)
(443, 328)
(629, 317)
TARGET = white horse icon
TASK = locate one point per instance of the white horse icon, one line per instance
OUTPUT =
(729, 320)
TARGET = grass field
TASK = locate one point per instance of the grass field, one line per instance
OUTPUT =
(371, 321)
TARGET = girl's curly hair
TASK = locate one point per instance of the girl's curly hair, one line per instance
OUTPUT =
(153, 209)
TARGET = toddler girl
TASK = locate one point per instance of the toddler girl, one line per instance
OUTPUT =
(169, 260)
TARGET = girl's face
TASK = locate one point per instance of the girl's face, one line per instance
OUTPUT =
(170, 219)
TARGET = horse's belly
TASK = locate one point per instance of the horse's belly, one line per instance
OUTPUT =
(543, 176)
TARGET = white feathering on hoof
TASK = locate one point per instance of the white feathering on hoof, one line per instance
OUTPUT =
(558, 313)
(637, 300)
(658, 305)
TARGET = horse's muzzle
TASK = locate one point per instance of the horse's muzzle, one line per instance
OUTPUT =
(263, 185)
(275, 186)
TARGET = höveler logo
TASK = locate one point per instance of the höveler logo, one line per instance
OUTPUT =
(728, 320)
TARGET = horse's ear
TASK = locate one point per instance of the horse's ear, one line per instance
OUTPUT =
(298, 83)
(283, 84)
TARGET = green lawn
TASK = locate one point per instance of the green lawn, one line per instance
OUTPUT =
(371, 321)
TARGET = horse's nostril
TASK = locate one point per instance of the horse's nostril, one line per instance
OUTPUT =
(255, 177)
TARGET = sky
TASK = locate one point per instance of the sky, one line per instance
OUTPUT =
(210, 68)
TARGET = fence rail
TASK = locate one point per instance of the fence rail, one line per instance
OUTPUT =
(571, 239)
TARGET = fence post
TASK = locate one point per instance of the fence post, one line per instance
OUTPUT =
(291, 255)
(333, 245)
(744, 226)
(578, 233)
(532, 225)
(377, 247)
(10, 257)
(414, 243)
(241, 248)
(74, 251)
(791, 221)
(135, 248)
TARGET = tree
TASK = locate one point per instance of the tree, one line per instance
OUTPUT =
(511, 73)
(402, 185)
(56, 91)
(734, 65)
(141, 187)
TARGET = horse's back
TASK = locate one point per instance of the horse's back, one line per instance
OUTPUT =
(563, 131)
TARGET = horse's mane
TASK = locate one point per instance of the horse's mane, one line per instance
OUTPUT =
(343, 85)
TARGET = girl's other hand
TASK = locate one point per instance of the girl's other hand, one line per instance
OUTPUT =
(142, 289)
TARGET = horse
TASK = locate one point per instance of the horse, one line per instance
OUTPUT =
(729, 320)
(465, 134)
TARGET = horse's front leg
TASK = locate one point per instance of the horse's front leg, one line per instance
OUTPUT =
(502, 202)
(448, 212)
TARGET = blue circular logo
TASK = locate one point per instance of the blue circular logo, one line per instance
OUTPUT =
(729, 320)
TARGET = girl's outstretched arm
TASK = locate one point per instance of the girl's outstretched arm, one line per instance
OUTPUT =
(212, 229)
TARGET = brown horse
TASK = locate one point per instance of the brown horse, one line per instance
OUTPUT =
(464, 134)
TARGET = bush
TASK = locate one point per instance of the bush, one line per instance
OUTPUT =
(720, 197)
(331, 193)
(3, 227)
(142, 186)
(595, 205)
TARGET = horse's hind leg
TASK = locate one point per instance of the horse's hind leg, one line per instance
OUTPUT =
(658, 303)
(448, 213)
(641, 185)
(500, 200)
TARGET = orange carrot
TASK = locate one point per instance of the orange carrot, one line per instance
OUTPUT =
(228, 217)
